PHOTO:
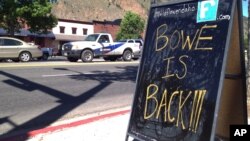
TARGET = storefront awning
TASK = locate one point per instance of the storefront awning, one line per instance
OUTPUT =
(24, 32)
(61, 37)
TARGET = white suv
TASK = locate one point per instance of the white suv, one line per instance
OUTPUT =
(140, 41)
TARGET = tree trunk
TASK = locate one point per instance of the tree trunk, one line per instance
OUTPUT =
(12, 32)
(11, 28)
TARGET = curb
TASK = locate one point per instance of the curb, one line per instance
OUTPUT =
(52, 128)
(61, 63)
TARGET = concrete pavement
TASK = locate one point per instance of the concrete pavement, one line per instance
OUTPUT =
(106, 129)
(109, 125)
(61, 61)
(103, 126)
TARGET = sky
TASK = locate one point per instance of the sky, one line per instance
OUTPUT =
(245, 7)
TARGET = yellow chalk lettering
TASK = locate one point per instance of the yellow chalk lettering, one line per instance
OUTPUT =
(196, 110)
(151, 98)
(191, 124)
(163, 104)
(184, 66)
(173, 38)
(204, 37)
(168, 63)
(171, 119)
(187, 42)
(181, 105)
(162, 37)
(203, 93)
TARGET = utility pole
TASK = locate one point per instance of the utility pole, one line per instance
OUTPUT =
(248, 52)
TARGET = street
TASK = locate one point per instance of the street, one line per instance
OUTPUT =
(37, 94)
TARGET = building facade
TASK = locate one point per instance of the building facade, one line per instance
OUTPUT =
(66, 31)
(70, 30)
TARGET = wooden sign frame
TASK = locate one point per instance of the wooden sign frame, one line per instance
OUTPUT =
(148, 121)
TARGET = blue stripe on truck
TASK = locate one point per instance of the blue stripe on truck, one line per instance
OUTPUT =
(112, 47)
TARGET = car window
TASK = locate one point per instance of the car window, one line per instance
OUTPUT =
(92, 37)
(10, 42)
(1, 42)
(139, 42)
(130, 41)
(104, 39)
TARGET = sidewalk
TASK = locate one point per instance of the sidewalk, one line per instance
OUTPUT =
(102, 126)
(107, 127)
(104, 129)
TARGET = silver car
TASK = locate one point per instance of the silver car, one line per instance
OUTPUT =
(18, 50)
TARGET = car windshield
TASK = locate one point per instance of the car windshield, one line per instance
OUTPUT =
(92, 37)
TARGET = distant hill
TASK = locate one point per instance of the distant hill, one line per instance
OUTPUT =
(89, 10)
(100, 10)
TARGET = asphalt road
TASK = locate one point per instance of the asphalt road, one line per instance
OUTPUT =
(37, 94)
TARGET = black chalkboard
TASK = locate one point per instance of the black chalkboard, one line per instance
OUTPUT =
(182, 70)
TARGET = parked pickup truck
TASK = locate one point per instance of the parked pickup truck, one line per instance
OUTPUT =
(100, 45)
(140, 41)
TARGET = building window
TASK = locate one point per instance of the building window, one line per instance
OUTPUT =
(74, 30)
(53, 1)
(85, 31)
(62, 29)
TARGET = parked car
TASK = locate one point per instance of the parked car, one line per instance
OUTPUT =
(47, 52)
(18, 50)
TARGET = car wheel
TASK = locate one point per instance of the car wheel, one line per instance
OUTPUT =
(127, 55)
(71, 59)
(45, 56)
(87, 56)
(24, 57)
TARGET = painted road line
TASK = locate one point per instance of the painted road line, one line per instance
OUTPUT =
(57, 75)
(71, 74)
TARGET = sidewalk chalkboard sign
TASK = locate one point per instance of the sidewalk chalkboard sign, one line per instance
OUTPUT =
(182, 70)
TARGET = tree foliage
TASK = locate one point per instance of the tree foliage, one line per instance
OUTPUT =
(132, 26)
(35, 13)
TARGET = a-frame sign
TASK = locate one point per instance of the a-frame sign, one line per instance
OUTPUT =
(191, 80)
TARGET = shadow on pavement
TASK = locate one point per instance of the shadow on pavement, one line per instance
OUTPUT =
(67, 102)
(128, 73)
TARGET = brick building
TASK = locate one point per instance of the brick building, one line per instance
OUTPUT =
(111, 27)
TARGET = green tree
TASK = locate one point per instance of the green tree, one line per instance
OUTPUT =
(35, 13)
(132, 26)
